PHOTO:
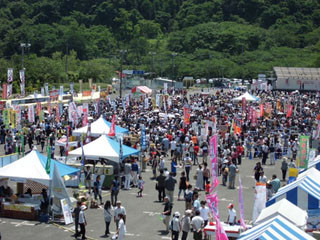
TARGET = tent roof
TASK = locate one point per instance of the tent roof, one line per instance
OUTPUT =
(286, 209)
(310, 172)
(308, 183)
(277, 228)
(247, 96)
(32, 167)
(104, 147)
(99, 127)
(141, 89)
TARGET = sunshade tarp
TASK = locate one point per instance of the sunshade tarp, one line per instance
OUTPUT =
(104, 147)
(287, 210)
(248, 97)
(141, 89)
(277, 228)
(32, 167)
(99, 127)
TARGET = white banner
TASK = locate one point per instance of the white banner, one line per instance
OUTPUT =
(158, 100)
(146, 103)
(22, 82)
(165, 88)
(46, 88)
(31, 113)
(10, 75)
(259, 201)
(71, 88)
(9, 90)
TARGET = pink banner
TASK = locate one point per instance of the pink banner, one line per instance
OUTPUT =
(57, 114)
(112, 131)
(31, 113)
(244, 104)
(213, 201)
(254, 117)
(214, 162)
(289, 112)
(261, 110)
(241, 205)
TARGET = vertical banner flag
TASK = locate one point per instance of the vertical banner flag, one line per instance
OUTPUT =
(254, 118)
(186, 115)
(213, 144)
(213, 201)
(38, 108)
(4, 90)
(112, 131)
(303, 152)
(158, 100)
(48, 164)
(261, 110)
(244, 104)
(259, 200)
(289, 110)
(250, 117)
(31, 113)
(127, 100)
(61, 93)
(242, 223)
(85, 109)
(165, 88)
(169, 103)
(71, 88)
(83, 159)
(124, 105)
(10, 80)
(143, 138)
(46, 88)
(22, 82)
(146, 103)
(57, 114)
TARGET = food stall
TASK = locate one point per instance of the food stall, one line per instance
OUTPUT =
(233, 232)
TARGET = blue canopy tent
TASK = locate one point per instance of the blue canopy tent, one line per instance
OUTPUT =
(304, 192)
(277, 228)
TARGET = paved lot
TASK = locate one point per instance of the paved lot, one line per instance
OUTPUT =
(142, 213)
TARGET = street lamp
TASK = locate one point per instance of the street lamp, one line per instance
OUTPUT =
(173, 56)
(122, 52)
(23, 46)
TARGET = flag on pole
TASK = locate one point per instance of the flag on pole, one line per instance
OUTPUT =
(213, 144)
(112, 131)
(261, 110)
(242, 223)
(48, 164)
(83, 158)
(22, 82)
(88, 138)
(67, 145)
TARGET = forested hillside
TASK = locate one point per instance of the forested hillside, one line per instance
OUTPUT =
(213, 38)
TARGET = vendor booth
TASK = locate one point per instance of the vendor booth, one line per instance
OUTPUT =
(248, 97)
(141, 89)
(104, 148)
(31, 168)
(231, 231)
(277, 228)
(98, 128)
(285, 209)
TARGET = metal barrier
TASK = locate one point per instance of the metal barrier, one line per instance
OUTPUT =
(7, 159)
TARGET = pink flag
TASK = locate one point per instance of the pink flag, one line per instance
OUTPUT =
(214, 162)
(254, 118)
(220, 233)
(112, 131)
(261, 110)
(242, 223)
(289, 112)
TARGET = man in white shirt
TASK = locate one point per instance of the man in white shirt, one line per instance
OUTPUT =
(119, 210)
(232, 217)
(204, 212)
(197, 224)
(173, 146)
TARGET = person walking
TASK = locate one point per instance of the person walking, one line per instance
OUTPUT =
(233, 169)
(97, 189)
(189, 197)
(87, 177)
(140, 186)
(135, 170)
(187, 165)
(284, 168)
(197, 224)
(76, 212)
(82, 222)
(169, 185)
(115, 187)
(182, 185)
(199, 182)
(232, 215)
(108, 209)
(186, 224)
(121, 231)
(161, 186)
(167, 212)
(175, 226)
(127, 174)
(117, 211)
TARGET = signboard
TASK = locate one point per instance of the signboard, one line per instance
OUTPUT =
(86, 93)
(66, 211)
(54, 93)
(303, 152)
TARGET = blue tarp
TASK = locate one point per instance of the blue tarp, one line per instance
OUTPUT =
(118, 129)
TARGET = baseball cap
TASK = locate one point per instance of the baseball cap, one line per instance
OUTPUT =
(230, 205)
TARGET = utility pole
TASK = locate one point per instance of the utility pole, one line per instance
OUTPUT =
(121, 61)
(173, 56)
(23, 46)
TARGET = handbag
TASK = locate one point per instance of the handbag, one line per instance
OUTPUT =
(157, 188)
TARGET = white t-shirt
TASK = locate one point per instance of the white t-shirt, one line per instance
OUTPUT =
(204, 213)
(119, 210)
(197, 223)
(232, 215)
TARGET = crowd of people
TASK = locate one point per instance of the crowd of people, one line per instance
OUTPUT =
(173, 143)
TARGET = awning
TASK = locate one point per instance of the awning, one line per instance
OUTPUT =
(141, 89)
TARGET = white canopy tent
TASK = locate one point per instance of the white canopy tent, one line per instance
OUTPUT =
(248, 97)
(98, 127)
(32, 167)
(287, 210)
(104, 147)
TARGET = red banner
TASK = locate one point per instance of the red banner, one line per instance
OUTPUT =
(186, 115)
(289, 111)
(261, 110)
(244, 104)
(4, 90)
(112, 131)
(54, 94)
(38, 108)
(57, 113)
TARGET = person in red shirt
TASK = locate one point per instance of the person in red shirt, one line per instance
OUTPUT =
(196, 149)
(239, 151)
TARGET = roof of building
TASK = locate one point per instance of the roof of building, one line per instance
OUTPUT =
(301, 73)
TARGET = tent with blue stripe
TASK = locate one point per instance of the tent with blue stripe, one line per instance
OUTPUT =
(314, 163)
(304, 192)
(277, 228)
(98, 128)
(104, 147)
